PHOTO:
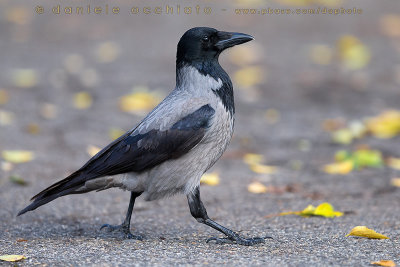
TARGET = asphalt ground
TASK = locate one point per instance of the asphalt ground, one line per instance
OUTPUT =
(66, 231)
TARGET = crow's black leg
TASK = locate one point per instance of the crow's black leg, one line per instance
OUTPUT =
(199, 212)
(125, 226)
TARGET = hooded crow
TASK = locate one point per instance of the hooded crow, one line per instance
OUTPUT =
(175, 144)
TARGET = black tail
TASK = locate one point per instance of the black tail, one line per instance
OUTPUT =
(64, 187)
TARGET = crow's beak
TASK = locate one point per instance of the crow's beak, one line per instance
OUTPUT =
(229, 39)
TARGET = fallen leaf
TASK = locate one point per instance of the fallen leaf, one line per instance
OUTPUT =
(140, 101)
(385, 125)
(12, 257)
(17, 156)
(115, 133)
(82, 100)
(363, 231)
(22, 240)
(6, 166)
(210, 179)
(342, 136)
(257, 188)
(107, 52)
(393, 163)
(367, 158)
(395, 182)
(24, 78)
(331, 125)
(4, 96)
(18, 14)
(92, 150)
(249, 76)
(262, 169)
(323, 210)
(387, 263)
(251, 158)
(18, 180)
(352, 52)
(245, 55)
(33, 128)
(343, 167)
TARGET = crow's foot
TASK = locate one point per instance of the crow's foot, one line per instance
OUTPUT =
(124, 229)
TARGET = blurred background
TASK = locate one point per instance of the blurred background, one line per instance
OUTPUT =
(317, 95)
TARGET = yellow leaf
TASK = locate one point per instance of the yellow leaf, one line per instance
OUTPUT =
(339, 167)
(387, 263)
(353, 53)
(12, 257)
(321, 54)
(210, 179)
(107, 52)
(363, 231)
(140, 101)
(6, 117)
(115, 133)
(82, 100)
(393, 163)
(251, 158)
(395, 182)
(342, 136)
(324, 210)
(257, 188)
(249, 76)
(92, 150)
(25, 78)
(17, 156)
(245, 55)
(262, 169)
(385, 125)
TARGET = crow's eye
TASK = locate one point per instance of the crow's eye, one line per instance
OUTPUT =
(205, 38)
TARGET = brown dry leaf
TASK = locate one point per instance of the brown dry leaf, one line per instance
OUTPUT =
(385, 125)
(140, 101)
(107, 52)
(390, 25)
(17, 156)
(92, 150)
(249, 76)
(19, 15)
(363, 231)
(321, 54)
(330, 125)
(33, 128)
(343, 167)
(4, 96)
(387, 263)
(393, 163)
(25, 78)
(115, 133)
(12, 258)
(352, 52)
(210, 179)
(257, 188)
(82, 100)
(395, 182)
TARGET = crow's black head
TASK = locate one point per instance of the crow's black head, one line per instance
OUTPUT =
(203, 44)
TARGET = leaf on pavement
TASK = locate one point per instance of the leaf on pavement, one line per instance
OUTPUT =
(393, 163)
(107, 52)
(12, 257)
(210, 179)
(390, 25)
(25, 78)
(92, 150)
(82, 100)
(17, 156)
(4, 96)
(18, 180)
(140, 101)
(249, 76)
(363, 231)
(323, 210)
(353, 53)
(385, 125)
(321, 54)
(255, 164)
(395, 182)
(387, 263)
(257, 188)
(343, 167)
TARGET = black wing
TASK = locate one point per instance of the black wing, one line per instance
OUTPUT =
(134, 153)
